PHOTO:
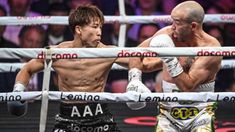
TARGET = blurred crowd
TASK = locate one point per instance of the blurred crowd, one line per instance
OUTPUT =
(39, 36)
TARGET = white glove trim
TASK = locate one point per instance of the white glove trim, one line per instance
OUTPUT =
(19, 87)
(134, 74)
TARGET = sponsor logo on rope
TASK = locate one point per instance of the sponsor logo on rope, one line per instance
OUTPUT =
(32, 17)
(229, 99)
(215, 53)
(158, 99)
(184, 113)
(42, 55)
(163, 19)
(124, 53)
(7, 97)
(227, 17)
(79, 97)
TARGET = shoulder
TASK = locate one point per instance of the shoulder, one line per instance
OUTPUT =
(212, 41)
(165, 30)
(101, 45)
(210, 61)
(65, 44)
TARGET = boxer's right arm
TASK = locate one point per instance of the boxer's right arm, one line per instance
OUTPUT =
(19, 108)
(135, 84)
(33, 66)
(135, 79)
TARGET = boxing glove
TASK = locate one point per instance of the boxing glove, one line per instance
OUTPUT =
(135, 84)
(18, 108)
(173, 66)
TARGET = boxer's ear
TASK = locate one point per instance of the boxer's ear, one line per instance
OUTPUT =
(194, 26)
(78, 30)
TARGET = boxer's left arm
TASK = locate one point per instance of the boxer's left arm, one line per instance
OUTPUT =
(202, 70)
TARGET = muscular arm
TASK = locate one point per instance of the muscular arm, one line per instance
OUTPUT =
(203, 70)
(33, 66)
(145, 64)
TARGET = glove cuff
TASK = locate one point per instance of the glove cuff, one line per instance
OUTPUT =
(19, 87)
(173, 67)
(134, 74)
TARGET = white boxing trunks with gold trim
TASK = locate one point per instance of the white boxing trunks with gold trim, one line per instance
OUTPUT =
(186, 116)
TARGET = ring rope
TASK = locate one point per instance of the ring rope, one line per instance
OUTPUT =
(14, 67)
(63, 20)
(72, 53)
(121, 97)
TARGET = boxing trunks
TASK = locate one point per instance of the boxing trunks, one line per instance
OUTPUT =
(84, 117)
(186, 116)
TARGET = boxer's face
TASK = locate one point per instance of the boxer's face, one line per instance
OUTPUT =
(182, 30)
(91, 34)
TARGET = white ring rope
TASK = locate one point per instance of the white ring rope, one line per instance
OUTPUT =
(72, 53)
(122, 97)
(63, 20)
(13, 67)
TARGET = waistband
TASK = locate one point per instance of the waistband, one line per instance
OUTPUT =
(82, 110)
(170, 87)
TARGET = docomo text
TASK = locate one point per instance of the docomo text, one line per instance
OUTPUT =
(215, 53)
(124, 53)
(42, 55)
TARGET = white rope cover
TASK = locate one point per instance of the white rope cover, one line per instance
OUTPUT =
(63, 20)
(13, 67)
(122, 97)
(72, 53)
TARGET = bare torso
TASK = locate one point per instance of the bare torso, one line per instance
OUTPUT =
(82, 75)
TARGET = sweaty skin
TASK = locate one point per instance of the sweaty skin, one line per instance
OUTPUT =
(185, 31)
(77, 75)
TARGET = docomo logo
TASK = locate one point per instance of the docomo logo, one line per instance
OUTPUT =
(162, 19)
(42, 55)
(32, 17)
(75, 128)
(124, 53)
(215, 53)
(227, 17)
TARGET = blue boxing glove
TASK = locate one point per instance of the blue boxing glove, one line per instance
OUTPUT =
(18, 108)
(136, 85)
(173, 66)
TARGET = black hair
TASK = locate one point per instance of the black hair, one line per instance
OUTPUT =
(84, 15)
